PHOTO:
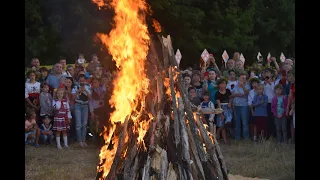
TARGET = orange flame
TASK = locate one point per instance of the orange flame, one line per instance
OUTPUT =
(128, 43)
(156, 25)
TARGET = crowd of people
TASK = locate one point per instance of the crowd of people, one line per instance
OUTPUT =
(257, 101)
(61, 101)
(70, 100)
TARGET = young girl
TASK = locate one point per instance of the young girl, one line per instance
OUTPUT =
(32, 93)
(32, 131)
(259, 112)
(45, 101)
(223, 100)
(193, 96)
(206, 103)
(61, 116)
(278, 108)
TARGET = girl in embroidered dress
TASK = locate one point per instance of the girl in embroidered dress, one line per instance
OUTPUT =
(61, 116)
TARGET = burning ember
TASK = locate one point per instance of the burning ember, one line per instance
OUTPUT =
(177, 143)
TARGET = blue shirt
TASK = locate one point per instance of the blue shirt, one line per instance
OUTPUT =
(54, 81)
(280, 108)
(260, 109)
(242, 100)
(212, 90)
(205, 105)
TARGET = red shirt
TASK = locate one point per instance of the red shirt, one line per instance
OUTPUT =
(293, 90)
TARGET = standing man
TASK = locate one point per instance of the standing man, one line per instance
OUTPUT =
(63, 63)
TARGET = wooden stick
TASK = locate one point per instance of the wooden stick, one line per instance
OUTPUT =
(123, 134)
(221, 159)
(175, 112)
(184, 134)
(164, 165)
(191, 120)
(195, 156)
(209, 146)
(146, 169)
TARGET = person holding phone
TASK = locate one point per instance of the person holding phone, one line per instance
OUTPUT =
(81, 94)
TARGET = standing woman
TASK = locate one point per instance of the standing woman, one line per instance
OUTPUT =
(32, 93)
(81, 94)
(210, 85)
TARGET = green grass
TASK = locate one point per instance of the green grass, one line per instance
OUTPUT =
(268, 161)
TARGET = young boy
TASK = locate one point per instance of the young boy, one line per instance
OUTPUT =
(278, 108)
(193, 96)
(46, 135)
(32, 131)
(206, 103)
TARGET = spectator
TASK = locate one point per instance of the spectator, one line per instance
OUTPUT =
(44, 75)
(240, 101)
(254, 84)
(187, 81)
(62, 116)
(232, 81)
(224, 101)
(239, 67)
(290, 91)
(55, 77)
(210, 85)
(81, 94)
(230, 66)
(279, 104)
(35, 66)
(206, 103)
(193, 96)
(259, 113)
(96, 106)
(45, 101)
(197, 83)
(269, 85)
(93, 64)
(63, 63)
(69, 84)
(46, 135)
(70, 71)
(32, 92)
(32, 131)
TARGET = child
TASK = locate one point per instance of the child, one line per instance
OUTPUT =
(278, 108)
(223, 100)
(46, 135)
(32, 131)
(81, 59)
(62, 116)
(193, 96)
(259, 112)
(45, 100)
(187, 81)
(206, 103)
(254, 84)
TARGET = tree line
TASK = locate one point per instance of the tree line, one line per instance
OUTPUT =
(56, 28)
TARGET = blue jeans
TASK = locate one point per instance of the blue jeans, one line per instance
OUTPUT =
(242, 115)
(81, 113)
(46, 138)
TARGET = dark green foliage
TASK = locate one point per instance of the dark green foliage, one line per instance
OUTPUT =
(54, 28)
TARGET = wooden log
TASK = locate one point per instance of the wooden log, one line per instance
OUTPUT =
(184, 134)
(192, 124)
(209, 146)
(221, 160)
(195, 156)
(123, 134)
(164, 165)
(146, 169)
(175, 112)
(165, 53)
(171, 174)
(134, 169)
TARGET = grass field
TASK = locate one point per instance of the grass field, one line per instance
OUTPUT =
(268, 161)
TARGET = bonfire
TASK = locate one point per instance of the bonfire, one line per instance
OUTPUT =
(153, 132)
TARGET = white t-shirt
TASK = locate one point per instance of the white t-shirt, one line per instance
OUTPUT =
(32, 88)
(251, 96)
(269, 90)
(231, 83)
